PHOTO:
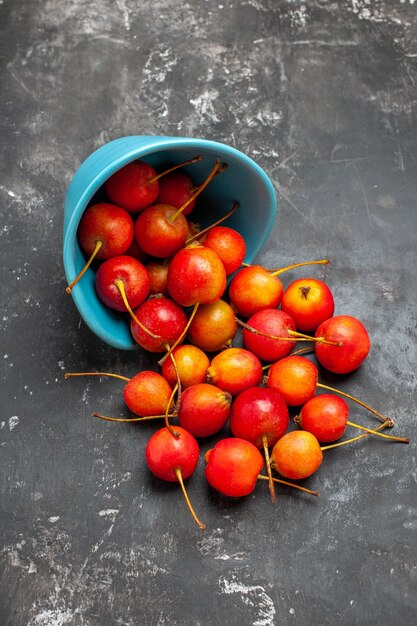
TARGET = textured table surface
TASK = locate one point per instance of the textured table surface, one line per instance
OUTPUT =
(322, 95)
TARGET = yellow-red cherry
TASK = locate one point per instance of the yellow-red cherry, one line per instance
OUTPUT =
(229, 246)
(191, 363)
(235, 370)
(309, 301)
(354, 342)
(213, 326)
(296, 455)
(204, 409)
(233, 466)
(325, 416)
(295, 377)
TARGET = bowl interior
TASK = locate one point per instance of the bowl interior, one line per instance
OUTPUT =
(242, 181)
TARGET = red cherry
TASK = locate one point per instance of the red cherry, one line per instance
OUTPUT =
(295, 377)
(204, 409)
(158, 234)
(131, 273)
(213, 327)
(296, 455)
(176, 189)
(258, 414)
(196, 275)
(254, 289)
(147, 393)
(309, 301)
(173, 458)
(354, 340)
(109, 224)
(130, 187)
(325, 416)
(158, 273)
(136, 252)
(162, 317)
(192, 365)
(235, 370)
(229, 246)
(271, 322)
(233, 466)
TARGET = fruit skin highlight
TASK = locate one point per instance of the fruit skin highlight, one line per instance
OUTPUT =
(233, 466)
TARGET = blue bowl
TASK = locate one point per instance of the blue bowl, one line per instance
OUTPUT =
(243, 181)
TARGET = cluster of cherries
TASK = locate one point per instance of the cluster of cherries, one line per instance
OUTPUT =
(170, 276)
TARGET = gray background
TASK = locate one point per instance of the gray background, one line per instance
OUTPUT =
(323, 96)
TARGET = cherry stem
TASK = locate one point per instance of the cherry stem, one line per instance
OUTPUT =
(187, 499)
(222, 219)
(284, 482)
(167, 424)
(85, 268)
(383, 418)
(120, 285)
(181, 337)
(110, 375)
(374, 432)
(129, 419)
(268, 469)
(212, 174)
(303, 337)
(386, 424)
(175, 167)
(174, 363)
(294, 265)
(262, 334)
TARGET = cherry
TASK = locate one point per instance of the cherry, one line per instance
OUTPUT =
(161, 316)
(136, 252)
(255, 288)
(161, 230)
(229, 246)
(213, 327)
(191, 364)
(275, 323)
(326, 417)
(204, 409)
(309, 301)
(158, 273)
(235, 370)
(174, 458)
(296, 455)
(196, 276)
(233, 466)
(105, 231)
(176, 189)
(354, 340)
(295, 377)
(260, 416)
(122, 273)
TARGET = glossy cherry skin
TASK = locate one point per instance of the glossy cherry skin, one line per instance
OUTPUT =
(196, 275)
(165, 453)
(176, 189)
(309, 301)
(229, 246)
(147, 393)
(296, 455)
(204, 409)
(213, 326)
(325, 416)
(163, 318)
(233, 466)
(135, 280)
(108, 223)
(192, 364)
(295, 377)
(129, 187)
(254, 289)
(257, 413)
(272, 322)
(353, 336)
(157, 234)
(235, 370)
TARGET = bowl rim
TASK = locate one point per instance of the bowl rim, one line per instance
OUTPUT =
(145, 146)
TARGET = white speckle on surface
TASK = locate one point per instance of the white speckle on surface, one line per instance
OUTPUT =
(13, 422)
(251, 595)
(32, 568)
(108, 512)
(204, 105)
(53, 519)
(52, 617)
(61, 365)
(2, 425)
(292, 611)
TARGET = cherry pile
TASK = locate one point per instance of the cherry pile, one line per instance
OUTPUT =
(171, 278)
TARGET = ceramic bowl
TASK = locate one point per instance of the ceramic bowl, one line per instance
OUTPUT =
(243, 181)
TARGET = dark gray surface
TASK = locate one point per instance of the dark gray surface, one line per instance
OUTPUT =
(323, 95)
